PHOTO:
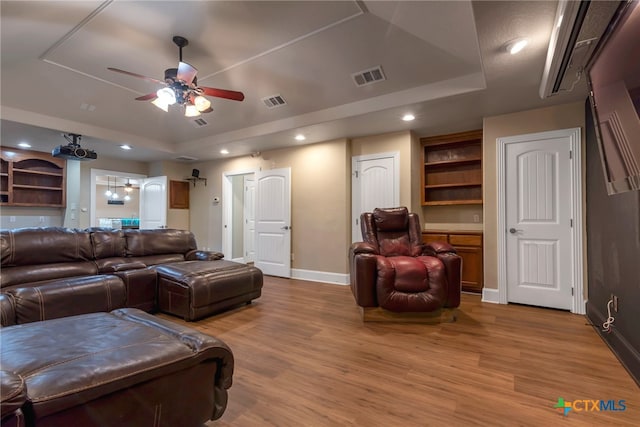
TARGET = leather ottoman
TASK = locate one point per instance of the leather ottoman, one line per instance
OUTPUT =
(114, 369)
(196, 289)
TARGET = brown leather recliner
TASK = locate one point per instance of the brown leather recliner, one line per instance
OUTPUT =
(395, 271)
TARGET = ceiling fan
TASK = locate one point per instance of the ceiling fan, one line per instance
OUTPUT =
(181, 87)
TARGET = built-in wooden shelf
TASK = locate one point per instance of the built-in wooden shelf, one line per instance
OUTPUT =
(452, 169)
(32, 178)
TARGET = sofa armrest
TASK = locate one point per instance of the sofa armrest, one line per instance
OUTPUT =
(13, 393)
(7, 310)
(197, 255)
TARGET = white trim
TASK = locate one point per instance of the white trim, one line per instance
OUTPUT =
(575, 141)
(355, 190)
(227, 208)
(320, 276)
(94, 175)
(490, 295)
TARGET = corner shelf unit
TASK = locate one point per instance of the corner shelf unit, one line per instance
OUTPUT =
(31, 178)
(452, 169)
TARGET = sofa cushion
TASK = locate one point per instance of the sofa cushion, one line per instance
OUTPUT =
(12, 276)
(158, 242)
(67, 297)
(31, 246)
(108, 243)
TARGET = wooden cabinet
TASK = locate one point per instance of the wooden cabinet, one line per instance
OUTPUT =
(178, 195)
(452, 169)
(468, 244)
(32, 178)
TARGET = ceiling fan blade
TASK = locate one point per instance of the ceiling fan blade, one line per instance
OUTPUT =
(140, 76)
(208, 110)
(222, 93)
(186, 72)
(148, 97)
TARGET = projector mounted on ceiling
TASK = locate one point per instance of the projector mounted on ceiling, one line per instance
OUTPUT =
(73, 150)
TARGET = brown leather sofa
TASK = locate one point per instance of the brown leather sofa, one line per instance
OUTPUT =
(54, 272)
(124, 368)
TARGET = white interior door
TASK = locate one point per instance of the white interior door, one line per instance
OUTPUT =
(273, 222)
(153, 202)
(249, 219)
(539, 222)
(375, 183)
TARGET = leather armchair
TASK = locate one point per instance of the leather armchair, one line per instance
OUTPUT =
(395, 271)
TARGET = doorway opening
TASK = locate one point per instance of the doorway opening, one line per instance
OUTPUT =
(114, 181)
(237, 215)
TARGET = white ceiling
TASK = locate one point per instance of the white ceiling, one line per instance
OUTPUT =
(444, 61)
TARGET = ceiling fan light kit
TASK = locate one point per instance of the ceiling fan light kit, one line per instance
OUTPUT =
(181, 87)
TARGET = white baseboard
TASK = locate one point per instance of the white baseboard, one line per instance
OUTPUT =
(490, 295)
(320, 276)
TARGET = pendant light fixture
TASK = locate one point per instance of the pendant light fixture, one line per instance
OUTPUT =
(108, 193)
(115, 195)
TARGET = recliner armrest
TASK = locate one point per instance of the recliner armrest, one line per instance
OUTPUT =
(13, 392)
(7, 310)
(133, 265)
(434, 248)
(197, 255)
(363, 248)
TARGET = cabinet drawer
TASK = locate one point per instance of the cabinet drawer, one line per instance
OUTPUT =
(428, 238)
(465, 240)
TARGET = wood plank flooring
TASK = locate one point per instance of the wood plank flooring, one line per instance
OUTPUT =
(303, 357)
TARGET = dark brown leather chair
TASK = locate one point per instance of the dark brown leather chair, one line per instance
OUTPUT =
(395, 275)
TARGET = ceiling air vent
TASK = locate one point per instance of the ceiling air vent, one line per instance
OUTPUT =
(369, 76)
(274, 101)
(199, 122)
(185, 159)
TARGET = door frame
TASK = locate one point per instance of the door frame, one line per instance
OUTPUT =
(94, 176)
(245, 256)
(227, 209)
(395, 155)
(577, 249)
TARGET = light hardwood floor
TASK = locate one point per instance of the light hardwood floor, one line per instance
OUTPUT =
(303, 357)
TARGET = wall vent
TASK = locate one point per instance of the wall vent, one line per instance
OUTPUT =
(199, 122)
(185, 159)
(367, 77)
(274, 101)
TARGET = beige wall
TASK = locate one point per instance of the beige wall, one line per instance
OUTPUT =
(174, 171)
(544, 119)
(320, 202)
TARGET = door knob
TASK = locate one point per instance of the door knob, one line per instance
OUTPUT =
(514, 230)
(286, 227)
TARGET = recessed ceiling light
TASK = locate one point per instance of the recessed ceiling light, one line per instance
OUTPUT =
(24, 145)
(125, 147)
(516, 46)
(224, 151)
(300, 137)
(408, 117)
